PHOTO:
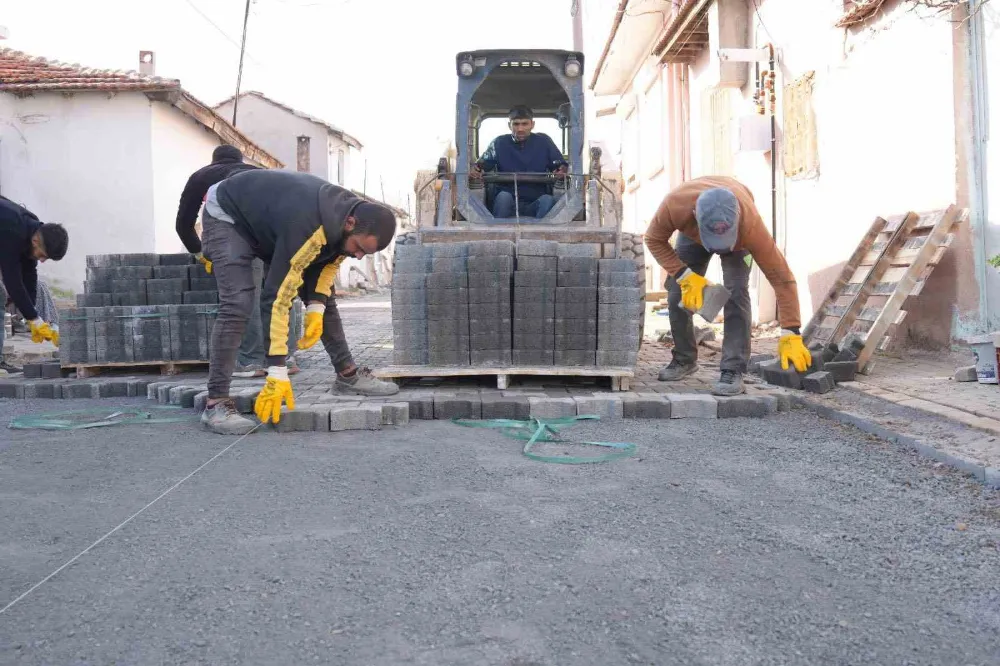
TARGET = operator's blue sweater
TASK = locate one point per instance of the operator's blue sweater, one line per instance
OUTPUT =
(536, 154)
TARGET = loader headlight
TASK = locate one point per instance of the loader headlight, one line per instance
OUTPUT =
(466, 67)
(572, 68)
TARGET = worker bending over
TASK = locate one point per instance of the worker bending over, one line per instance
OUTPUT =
(717, 215)
(302, 227)
(24, 241)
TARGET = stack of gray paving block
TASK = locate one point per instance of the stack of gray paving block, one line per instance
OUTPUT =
(490, 269)
(140, 308)
(533, 323)
(447, 287)
(576, 308)
(409, 304)
(620, 310)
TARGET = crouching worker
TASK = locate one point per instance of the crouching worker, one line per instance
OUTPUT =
(302, 227)
(717, 215)
(24, 241)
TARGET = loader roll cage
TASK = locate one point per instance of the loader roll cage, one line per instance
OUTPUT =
(490, 83)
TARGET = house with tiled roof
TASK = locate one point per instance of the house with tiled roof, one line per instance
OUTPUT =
(105, 153)
(302, 141)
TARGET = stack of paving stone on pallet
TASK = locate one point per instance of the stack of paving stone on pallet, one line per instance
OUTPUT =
(448, 306)
(140, 308)
(620, 311)
(409, 304)
(576, 310)
(533, 325)
(491, 269)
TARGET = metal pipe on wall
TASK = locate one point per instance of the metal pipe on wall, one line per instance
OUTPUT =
(980, 138)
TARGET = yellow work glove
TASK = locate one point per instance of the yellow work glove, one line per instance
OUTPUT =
(692, 290)
(40, 331)
(313, 326)
(277, 390)
(792, 350)
(204, 262)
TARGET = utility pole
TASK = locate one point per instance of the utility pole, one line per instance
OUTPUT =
(243, 49)
(576, 11)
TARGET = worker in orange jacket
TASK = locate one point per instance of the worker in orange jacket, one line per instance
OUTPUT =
(717, 215)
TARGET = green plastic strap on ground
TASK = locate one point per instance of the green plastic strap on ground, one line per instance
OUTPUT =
(547, 430)
(97, 418)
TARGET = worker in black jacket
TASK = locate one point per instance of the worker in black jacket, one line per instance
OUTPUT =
(24, 241)
(226, 161)
(303, 227)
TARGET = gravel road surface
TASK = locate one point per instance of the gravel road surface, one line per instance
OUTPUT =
(788, 540)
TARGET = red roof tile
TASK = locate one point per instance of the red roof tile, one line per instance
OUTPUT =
(20, 72)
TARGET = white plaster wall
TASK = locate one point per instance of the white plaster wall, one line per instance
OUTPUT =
(180, 146)
(82, 160)
(277, 131)
(886, 129)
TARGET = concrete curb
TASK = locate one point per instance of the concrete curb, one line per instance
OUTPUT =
(988, 476)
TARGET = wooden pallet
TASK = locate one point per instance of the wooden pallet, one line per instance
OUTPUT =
(620, 377)
(87, 370)
(892, 262)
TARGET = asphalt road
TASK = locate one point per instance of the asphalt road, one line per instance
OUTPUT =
(788, 540)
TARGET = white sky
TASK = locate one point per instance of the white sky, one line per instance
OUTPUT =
(382, 70)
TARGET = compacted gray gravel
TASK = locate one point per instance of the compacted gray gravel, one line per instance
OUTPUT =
(787, 540)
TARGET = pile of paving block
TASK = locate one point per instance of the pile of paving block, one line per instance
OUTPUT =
(140, 308)
(831, 363)
(501, 304)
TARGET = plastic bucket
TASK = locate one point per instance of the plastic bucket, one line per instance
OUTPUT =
(986, 359)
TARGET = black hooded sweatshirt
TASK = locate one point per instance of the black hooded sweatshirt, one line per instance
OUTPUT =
(18, 268)
(295, 222)
(226, 161)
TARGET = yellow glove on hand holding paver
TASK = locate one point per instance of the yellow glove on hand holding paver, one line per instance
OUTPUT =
(313, 325)
(792, 350)
(692, 290)
(277, 390)
(40, 331)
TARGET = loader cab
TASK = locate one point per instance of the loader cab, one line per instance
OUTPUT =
(490, 83)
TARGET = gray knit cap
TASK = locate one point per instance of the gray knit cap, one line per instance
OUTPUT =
(718, 215)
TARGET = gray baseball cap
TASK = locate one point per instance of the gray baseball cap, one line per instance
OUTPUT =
(718, 215)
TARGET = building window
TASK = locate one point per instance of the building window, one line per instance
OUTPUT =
(341, 167)
(630, 150)
(801, 154)
(717, 132)
(652, 129)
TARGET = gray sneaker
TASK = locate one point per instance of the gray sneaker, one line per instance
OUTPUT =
(730, 383)
(223, 419)
(249, 371)
(676, 371)
(363, 383)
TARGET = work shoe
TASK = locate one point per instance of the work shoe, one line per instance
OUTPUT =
(730, 383)
(363, 383)
(249, 371)
(676, 371)
(8, 369)
(222, 418)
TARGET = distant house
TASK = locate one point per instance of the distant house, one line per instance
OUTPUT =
(106, 153)
(303, 142)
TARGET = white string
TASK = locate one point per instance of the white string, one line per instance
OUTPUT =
(124, 522)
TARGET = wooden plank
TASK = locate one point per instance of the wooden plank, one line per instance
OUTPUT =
(528, 232)
(874, 273)
(88, 370)
(905, 285)
(845, 275)
(619, 376)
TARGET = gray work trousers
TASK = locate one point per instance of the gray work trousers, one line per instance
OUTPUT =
(252, 352)
(232, 263)
(737, 312)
